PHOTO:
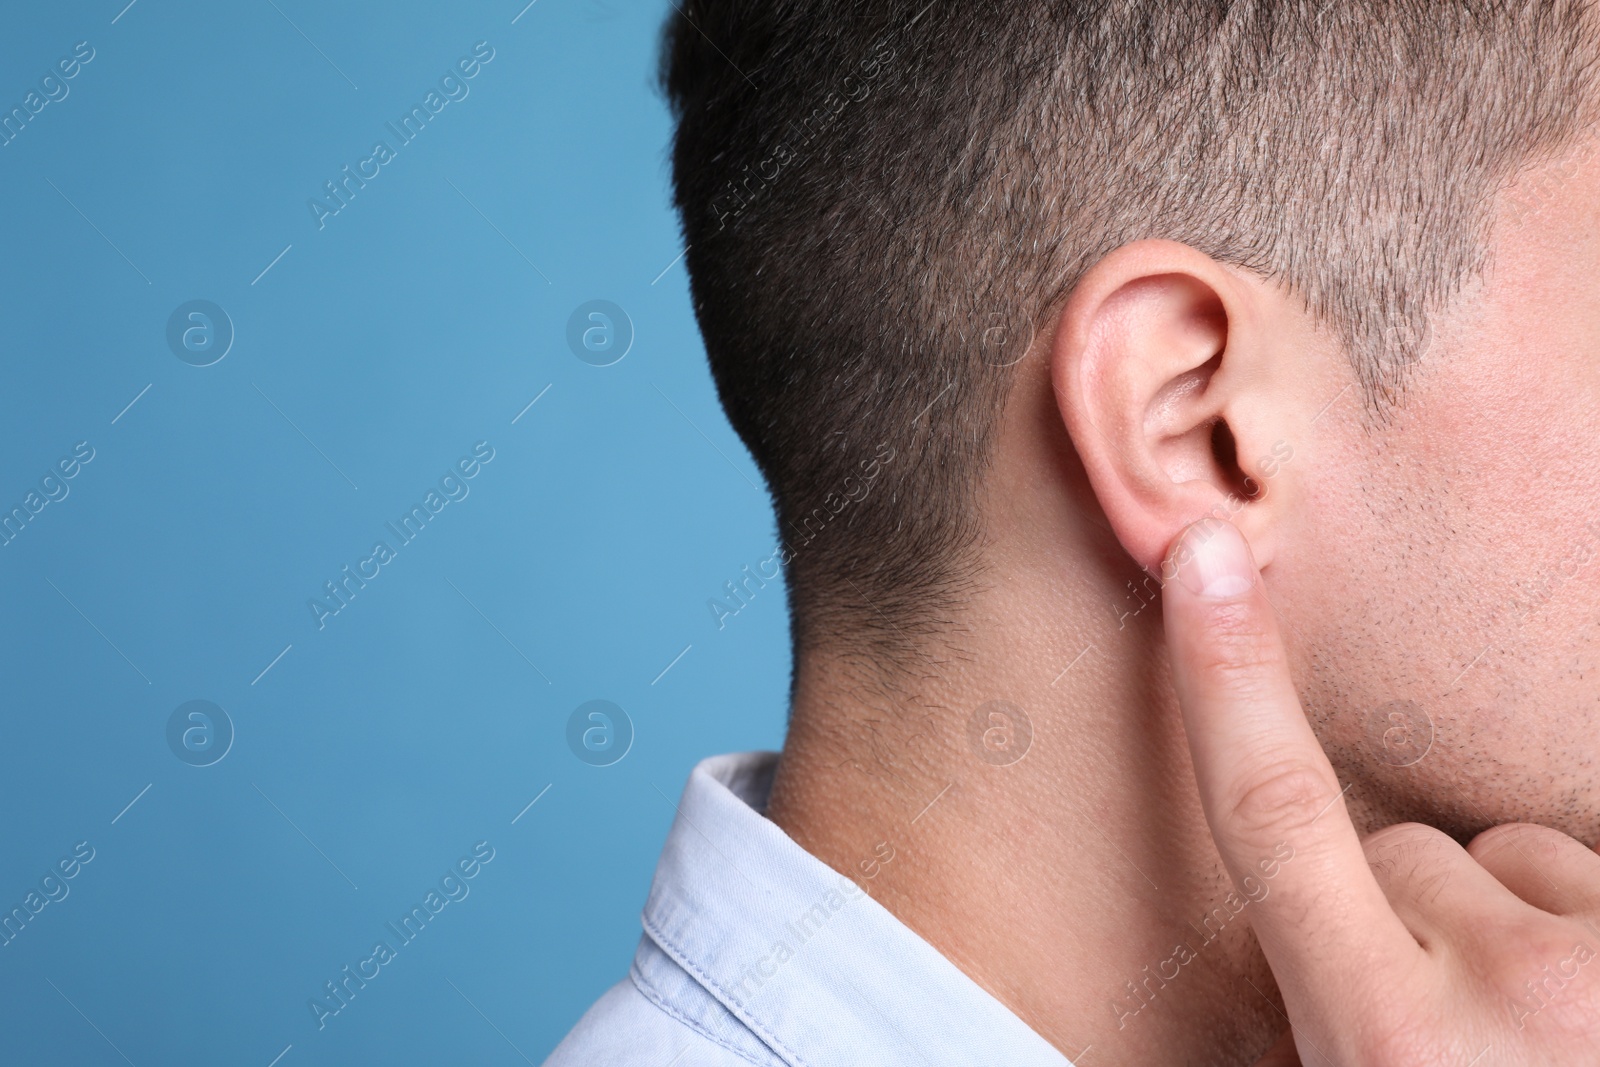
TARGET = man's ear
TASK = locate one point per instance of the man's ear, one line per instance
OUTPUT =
(1168, 377)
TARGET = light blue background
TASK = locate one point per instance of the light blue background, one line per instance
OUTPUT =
(182, 560)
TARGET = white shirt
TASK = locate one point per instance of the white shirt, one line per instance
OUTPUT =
(756, 952)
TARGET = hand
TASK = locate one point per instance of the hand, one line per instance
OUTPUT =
(1404, 948)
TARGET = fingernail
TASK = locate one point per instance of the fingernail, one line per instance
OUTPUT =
(1213, 560)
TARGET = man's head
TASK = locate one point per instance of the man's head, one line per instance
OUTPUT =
(1066, 276)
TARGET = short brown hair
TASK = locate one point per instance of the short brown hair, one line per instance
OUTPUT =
(882, 201)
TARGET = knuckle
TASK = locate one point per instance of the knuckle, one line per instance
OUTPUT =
(1239, 642)
(1411, 859)
(1403, 837)
(1282, 800)
(1239, 681)
(1521, 839)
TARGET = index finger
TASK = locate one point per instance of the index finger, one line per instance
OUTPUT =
(1267, 788)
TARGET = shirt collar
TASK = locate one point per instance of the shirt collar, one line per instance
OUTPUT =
(823, 974)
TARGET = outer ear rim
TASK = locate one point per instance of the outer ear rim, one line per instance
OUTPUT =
(1143, 505)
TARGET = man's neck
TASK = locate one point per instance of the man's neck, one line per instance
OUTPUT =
(1070, 873)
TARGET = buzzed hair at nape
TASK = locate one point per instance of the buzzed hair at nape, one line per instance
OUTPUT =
(884, 200)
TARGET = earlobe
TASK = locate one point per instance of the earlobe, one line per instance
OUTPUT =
(1158, 368)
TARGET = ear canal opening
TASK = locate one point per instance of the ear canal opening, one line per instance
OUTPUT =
(1225, 451)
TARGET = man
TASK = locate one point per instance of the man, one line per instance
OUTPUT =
(1003, 298)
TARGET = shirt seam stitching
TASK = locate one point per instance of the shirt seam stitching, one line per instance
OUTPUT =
(650, 993)
(727, 998)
